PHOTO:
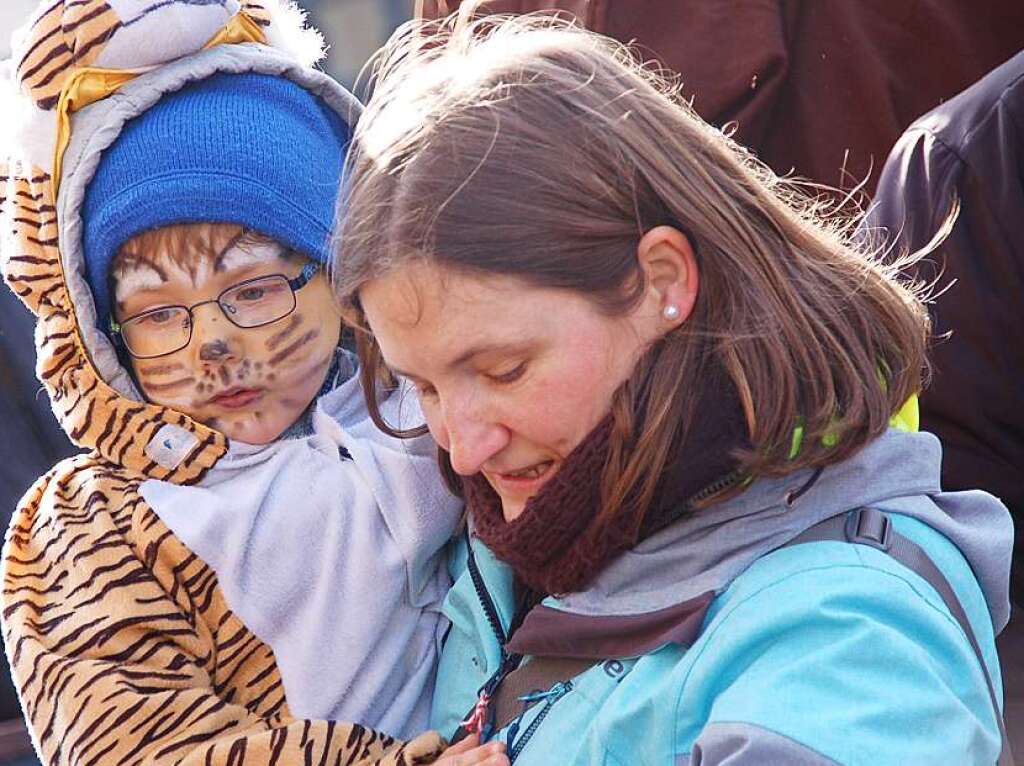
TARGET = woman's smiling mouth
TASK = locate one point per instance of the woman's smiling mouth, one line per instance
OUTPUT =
(528, 479)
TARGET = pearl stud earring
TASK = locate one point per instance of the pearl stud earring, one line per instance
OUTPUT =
(671, 312)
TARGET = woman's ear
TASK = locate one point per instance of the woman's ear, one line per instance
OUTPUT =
(669, 266)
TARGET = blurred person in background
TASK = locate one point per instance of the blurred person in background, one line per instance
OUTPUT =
(967, 157)
(818, 89)
(354, 30)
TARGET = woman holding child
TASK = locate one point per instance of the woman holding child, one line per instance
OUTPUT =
(680, 411)
(702, 526)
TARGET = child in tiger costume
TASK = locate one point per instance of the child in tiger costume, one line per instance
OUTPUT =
(240, 559)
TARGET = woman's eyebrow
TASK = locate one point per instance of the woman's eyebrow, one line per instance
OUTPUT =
(467, 356)
(480, 349)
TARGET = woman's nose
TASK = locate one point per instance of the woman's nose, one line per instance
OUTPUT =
(471, 442)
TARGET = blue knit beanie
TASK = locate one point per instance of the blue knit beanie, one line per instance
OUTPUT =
(254, 150)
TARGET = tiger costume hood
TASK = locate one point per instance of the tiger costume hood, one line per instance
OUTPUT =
(125, 646)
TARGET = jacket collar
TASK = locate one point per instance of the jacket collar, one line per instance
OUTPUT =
(549, 632)
(661, 587)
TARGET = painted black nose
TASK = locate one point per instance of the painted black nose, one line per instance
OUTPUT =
(214, 351)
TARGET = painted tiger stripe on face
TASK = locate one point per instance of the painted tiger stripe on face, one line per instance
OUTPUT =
(294, 322)
(297, 345)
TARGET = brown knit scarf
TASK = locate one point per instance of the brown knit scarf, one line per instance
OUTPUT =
(554, 546)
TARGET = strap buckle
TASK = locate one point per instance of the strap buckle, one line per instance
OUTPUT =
(871, 527)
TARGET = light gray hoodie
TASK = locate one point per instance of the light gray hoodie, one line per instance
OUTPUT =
(335, 563)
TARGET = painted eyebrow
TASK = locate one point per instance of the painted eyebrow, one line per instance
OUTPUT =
(218, 262)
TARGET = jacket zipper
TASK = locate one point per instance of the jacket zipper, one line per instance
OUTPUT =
(731, 478)
(490, 611)
(509, 661)
(515, 743)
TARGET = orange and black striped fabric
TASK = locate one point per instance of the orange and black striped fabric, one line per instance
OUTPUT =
(72, 33)
(122, 646)
(125, 651)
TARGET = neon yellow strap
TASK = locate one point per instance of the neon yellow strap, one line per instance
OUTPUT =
(909, 416)
(908, 419)
(87, 85)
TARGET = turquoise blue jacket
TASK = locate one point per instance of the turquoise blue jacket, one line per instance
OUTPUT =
(818, 653)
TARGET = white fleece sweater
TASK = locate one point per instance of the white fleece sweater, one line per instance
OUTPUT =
(338, 564)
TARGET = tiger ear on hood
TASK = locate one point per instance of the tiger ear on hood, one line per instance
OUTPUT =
(64, 36)
(148, 34)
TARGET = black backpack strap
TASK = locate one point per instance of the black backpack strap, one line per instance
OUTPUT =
(872, 527)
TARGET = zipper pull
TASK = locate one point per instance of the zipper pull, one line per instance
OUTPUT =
(481, 717)
(556, 691)
(478, 719)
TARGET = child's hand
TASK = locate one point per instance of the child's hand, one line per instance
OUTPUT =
(469, 752)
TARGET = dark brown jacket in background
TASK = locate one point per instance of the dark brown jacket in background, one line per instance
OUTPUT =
(971, 149)
(815, 86)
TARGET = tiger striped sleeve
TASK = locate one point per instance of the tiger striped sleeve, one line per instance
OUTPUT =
(125, 652)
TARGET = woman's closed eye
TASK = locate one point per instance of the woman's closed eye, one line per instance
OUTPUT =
(511, 376)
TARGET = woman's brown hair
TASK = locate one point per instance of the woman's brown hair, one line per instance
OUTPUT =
(525, 147)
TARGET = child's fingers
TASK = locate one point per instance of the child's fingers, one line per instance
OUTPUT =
(498, 759)
(464, 745)
(491, 754)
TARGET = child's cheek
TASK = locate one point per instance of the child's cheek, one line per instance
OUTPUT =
(299, 346)
(166, 381)
(287, 344)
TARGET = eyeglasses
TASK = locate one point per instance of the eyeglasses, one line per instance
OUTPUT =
(252, 303)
